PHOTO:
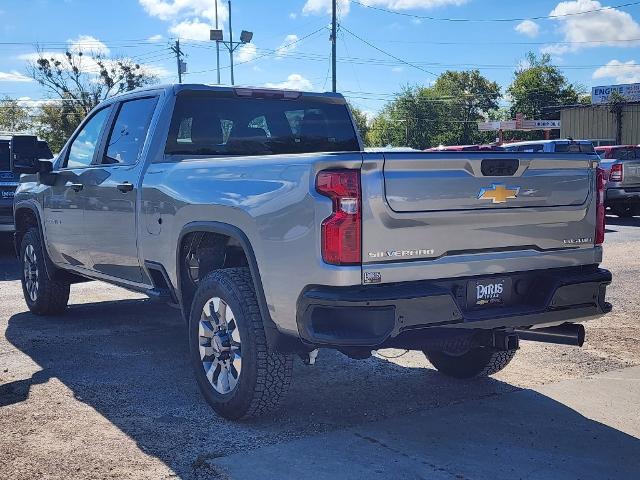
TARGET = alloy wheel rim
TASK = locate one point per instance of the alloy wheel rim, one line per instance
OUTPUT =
(31, 272)
(219, 345)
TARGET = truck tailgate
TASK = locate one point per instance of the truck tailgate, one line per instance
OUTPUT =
(421, 184)
(427, 209)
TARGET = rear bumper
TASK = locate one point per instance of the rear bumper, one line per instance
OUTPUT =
(380, 315)
(622, 195)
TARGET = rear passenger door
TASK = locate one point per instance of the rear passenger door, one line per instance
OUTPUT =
(112, 193)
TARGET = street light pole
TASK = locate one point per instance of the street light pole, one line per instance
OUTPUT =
(217, 45)
(231, 42)
(218, 36)
(333, 44)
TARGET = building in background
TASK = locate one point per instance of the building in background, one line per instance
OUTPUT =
(601, 124)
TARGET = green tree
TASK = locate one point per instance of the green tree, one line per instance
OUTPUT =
(445, 113)
(412, 119)
(538, 85)
(13, 116)
(361, 120)
(79, 81)
(56, 121)
(469, 97)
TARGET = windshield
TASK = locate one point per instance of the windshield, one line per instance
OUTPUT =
(206, 124)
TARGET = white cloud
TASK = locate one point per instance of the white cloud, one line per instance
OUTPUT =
(288, 45)
(528, 28)
(28, 102)
(155, 38)
(397, 69)
(191, 30)
(610, 26)
(622, 72)
(172, 10)
(13, 76)
(293, 15)
(324, 6)
(88, 44)
(295, 81)
(247, 52)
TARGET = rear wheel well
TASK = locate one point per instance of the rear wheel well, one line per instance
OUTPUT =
(203, 252)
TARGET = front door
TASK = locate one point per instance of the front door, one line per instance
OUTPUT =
(112, 193)
(64, 201)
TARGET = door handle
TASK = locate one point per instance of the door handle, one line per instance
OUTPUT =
(75, 186)
(125, 187)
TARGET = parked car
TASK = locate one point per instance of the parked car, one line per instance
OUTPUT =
(8, 185)
(622, 164)
(258, 213)
(551, 146)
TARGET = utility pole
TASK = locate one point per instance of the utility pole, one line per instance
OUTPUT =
(180, 63)
(217, 45)
(231, 42)
(333, 44)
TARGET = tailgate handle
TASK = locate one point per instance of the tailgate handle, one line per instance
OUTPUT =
(499, 167)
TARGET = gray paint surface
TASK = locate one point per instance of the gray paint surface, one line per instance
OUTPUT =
(586, 429)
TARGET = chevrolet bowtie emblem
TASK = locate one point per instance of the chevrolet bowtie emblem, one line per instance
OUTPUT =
(498, 193)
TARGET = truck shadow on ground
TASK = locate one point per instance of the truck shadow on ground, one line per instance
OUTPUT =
(128, 360)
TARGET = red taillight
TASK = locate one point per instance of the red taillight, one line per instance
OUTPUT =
(341, 232)
(616, 174)
(601, 182)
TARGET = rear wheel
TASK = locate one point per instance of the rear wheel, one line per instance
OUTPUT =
(626, 211)
(43, 295)
(236, 373)
(474, 362)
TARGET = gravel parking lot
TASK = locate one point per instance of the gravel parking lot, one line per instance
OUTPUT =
(105, 391)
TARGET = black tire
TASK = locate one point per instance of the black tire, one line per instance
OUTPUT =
(625, 211)
(264, 378)
(477, 362)
(43, 295)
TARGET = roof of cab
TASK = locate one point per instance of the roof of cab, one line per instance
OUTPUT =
(176, 88)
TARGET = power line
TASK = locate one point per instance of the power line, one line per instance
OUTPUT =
(447, 19)
(387, 53)
(272, 52)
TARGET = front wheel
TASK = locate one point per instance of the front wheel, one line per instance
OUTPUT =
(475, 362)
(237, 374)
(43, 295)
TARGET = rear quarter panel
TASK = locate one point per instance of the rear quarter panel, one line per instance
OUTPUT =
(271, 199)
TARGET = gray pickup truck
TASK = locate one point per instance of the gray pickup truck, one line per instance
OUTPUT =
(259, 214)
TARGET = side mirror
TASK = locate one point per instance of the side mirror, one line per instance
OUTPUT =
(26, 153)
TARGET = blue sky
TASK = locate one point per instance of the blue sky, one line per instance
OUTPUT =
(291, 46)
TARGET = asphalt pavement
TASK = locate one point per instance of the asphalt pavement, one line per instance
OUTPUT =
(105, 391)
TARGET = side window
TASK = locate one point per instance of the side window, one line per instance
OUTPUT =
(84, 146)
(129, 131)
